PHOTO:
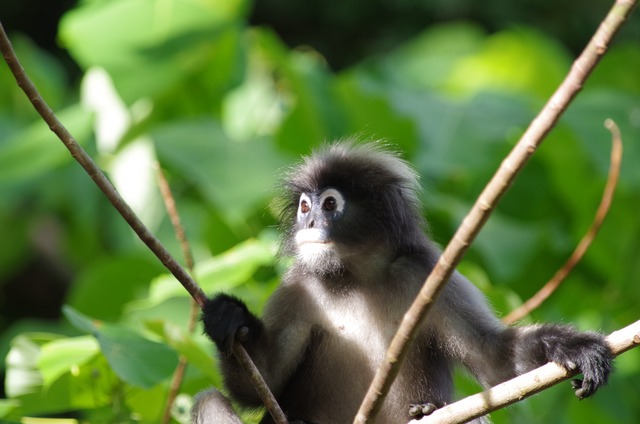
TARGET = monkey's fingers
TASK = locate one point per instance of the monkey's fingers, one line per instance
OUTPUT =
(421, 409)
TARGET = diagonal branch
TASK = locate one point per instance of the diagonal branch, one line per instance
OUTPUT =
(523, 386)
(240, 353)
(94, 172)
(78, 153)
(487, 201)
(607, 197)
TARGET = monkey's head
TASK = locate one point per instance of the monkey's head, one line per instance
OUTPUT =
(348, 200)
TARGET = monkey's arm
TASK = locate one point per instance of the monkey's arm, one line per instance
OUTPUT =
(275, 346)
(496, 353)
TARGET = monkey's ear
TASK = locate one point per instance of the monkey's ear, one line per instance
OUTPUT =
(226, 319)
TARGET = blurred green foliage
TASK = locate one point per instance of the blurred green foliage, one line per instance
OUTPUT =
(225, 107)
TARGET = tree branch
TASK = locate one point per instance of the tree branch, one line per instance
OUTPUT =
(523, 386)
(94, 172)
(78, 153)
(607, 197)
(240, 353)
(178, 229)
(488, 199)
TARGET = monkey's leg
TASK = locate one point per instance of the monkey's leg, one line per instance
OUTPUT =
(210, 407)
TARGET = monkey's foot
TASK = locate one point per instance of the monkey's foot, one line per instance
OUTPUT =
(421, 409)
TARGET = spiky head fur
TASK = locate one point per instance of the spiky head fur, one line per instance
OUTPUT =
(383, 188)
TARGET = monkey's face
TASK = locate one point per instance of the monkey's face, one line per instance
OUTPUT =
(319, 220)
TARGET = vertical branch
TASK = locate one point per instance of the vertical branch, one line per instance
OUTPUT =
(240, 353)
(612, 180)
(174, 217)
(485, 204)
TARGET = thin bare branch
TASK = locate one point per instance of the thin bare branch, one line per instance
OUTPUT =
(605, 203)
(94, 172)
(238, 350)
(487, 201)
(174, 217)
(78, 153)
(523, 386)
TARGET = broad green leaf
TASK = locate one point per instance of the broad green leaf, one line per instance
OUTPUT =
(65, 355)
(7, 406)
(147, 46)
(183, 342)
(426, 61)
(236, 177)
(371, 115)
(43, 70)
(313, 118)
(36, 150)
(110, 283)
(107, 284)
(618, 71)
(520, 60)
(137, 360)
(220, 273)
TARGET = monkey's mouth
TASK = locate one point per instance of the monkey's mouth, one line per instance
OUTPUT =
(312, 236)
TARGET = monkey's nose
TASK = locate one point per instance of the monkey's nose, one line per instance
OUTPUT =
(311, 224)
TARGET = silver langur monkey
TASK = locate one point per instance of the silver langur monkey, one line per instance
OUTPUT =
(353, 223)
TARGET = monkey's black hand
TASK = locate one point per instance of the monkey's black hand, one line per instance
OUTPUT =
(226, 319)
(586, 352)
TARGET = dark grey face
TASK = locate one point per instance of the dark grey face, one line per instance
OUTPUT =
(318, 214)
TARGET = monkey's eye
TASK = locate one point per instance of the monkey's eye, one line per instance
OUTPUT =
(332, 201)
(304, 206)
(330, 204)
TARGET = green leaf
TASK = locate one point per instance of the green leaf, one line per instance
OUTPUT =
(147, 46)
(427, 60)
(36, 150)
(111, 282)
(520, 59)
(313, 119)
(44, 71)
(183, 342)
(137, 360)
(220, 273)
(236, 177)
(371, 115)
(62, 356)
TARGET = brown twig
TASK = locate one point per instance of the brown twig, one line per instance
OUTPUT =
(481, 210)
(240, 353)
(94, 172)
(607, 196)
(78, 153)
(174, 217)
(523, 386)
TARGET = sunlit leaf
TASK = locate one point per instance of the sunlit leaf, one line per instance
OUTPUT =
(147, 46)
(62, 356)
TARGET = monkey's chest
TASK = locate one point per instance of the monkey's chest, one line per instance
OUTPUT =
(356, 326)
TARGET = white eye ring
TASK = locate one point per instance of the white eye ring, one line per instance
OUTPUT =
(334, 198)
(305, 203)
